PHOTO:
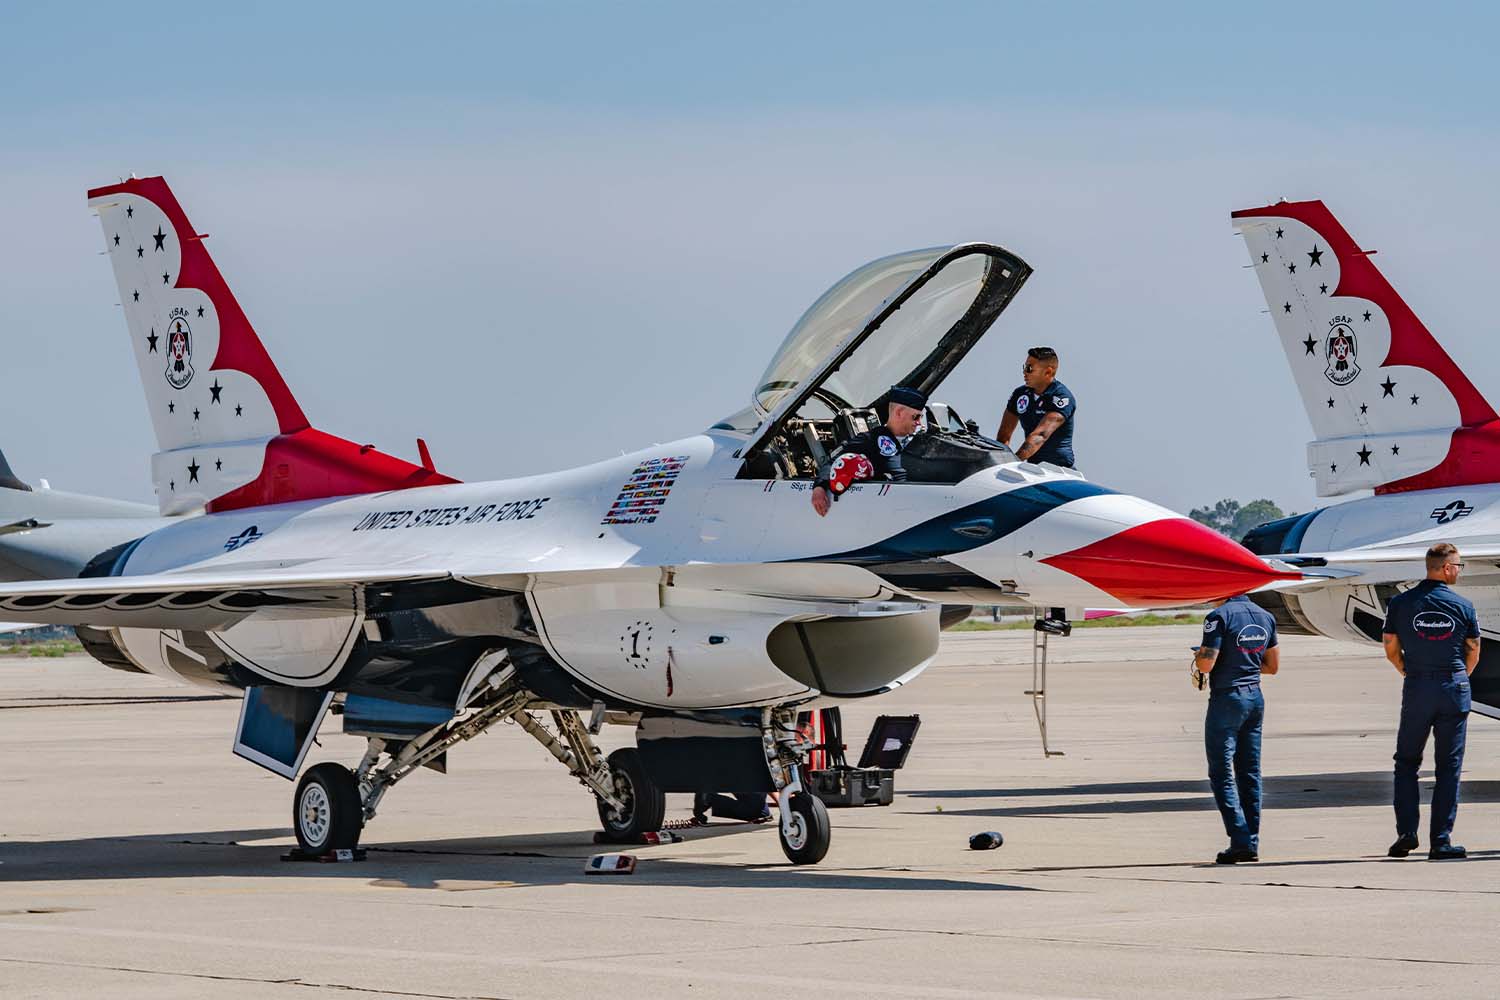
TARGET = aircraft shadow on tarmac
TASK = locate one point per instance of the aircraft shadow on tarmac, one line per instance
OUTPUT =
(1294, 791)
(461, 864)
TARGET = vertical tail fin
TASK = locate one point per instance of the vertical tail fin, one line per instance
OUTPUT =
(229, 431)
(1390, 409)
(8, 480)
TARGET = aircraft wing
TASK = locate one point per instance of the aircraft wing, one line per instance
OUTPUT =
(1383, 564)
(208, 597)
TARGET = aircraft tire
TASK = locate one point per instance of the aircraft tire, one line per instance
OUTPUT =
(646, 804)
(327, 814)
(811, 831)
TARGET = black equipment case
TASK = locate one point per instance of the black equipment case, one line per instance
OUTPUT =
(873, 782)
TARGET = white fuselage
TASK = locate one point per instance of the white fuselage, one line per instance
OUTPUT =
(661, 578)
(1408, 521)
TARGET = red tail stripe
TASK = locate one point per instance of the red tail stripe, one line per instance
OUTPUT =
(312, 465)
(239, 348)
(1411, 342)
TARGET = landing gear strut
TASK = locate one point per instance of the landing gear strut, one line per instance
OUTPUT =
(805, 830)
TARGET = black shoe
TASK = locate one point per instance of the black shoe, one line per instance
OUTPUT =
(1235, 855)
(1446, 852)
(1404, 845)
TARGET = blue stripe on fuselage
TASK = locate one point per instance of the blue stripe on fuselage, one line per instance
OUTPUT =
(972, 526)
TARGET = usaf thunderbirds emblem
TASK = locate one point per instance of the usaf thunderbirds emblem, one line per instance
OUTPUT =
(179, 350)
(1340, 349)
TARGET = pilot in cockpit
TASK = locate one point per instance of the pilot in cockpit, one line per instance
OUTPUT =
(874, 454)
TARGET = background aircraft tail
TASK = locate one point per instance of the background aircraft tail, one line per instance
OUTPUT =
(47, 534)
(1389, 408)
(229, 431)
(8, 480)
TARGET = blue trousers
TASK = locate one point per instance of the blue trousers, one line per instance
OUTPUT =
(1437, 703)
(1231, 737)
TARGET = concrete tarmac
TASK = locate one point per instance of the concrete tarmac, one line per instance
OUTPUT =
(139, 858)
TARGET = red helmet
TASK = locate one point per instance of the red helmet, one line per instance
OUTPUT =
(847, 470)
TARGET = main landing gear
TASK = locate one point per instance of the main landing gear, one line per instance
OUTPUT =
(332, 804)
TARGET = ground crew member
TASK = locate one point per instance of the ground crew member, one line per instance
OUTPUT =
(881, 449)
(748, 807)
(1431, 637)
(1044, 408)
(1239, 644)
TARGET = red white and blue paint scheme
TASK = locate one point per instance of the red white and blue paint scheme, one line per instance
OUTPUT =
(1391, 412)
(688, 589)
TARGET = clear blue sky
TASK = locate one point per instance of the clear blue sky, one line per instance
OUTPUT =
(539, 234)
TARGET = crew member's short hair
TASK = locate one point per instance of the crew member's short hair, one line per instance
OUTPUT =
(1046, 355)
(1438, 555)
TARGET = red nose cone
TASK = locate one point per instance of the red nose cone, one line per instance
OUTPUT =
(1166, 562)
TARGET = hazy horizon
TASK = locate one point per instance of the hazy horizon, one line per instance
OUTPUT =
(539, 240)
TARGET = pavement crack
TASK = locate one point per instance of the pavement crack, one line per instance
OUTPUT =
(264, 981)
(677, 952)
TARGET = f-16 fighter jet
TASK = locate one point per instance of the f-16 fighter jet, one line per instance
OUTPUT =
(1391, 412)
(688, 590)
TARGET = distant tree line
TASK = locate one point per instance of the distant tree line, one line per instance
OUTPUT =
(1229, 517)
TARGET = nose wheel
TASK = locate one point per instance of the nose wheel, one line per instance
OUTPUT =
(806, 833)
(327, 814)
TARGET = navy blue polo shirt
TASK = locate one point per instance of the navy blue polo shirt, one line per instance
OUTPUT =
(1432, 621)
(1242, 632)
(1031, 407)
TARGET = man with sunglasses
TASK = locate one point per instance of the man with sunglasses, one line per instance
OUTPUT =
(1044, 408)
(1431, 637)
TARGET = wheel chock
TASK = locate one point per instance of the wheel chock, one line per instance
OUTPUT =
(648, 839)
(610, 864)
(342, 854)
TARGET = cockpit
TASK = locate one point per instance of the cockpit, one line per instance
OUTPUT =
(907, 319)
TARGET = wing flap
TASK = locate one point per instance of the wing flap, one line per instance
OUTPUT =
(205, 598)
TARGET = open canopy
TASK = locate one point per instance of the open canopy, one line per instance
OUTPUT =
(907, 319)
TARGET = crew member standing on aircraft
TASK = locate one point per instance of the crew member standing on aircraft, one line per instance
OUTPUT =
(1432, 639)
(1239, 644)
(874, 454)
(1044, 408)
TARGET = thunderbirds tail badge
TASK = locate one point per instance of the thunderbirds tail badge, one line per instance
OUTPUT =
(179, 350)
(1340, 349)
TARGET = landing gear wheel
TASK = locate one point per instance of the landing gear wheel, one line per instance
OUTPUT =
(327, 814)
(807, 843)
(645, 803)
